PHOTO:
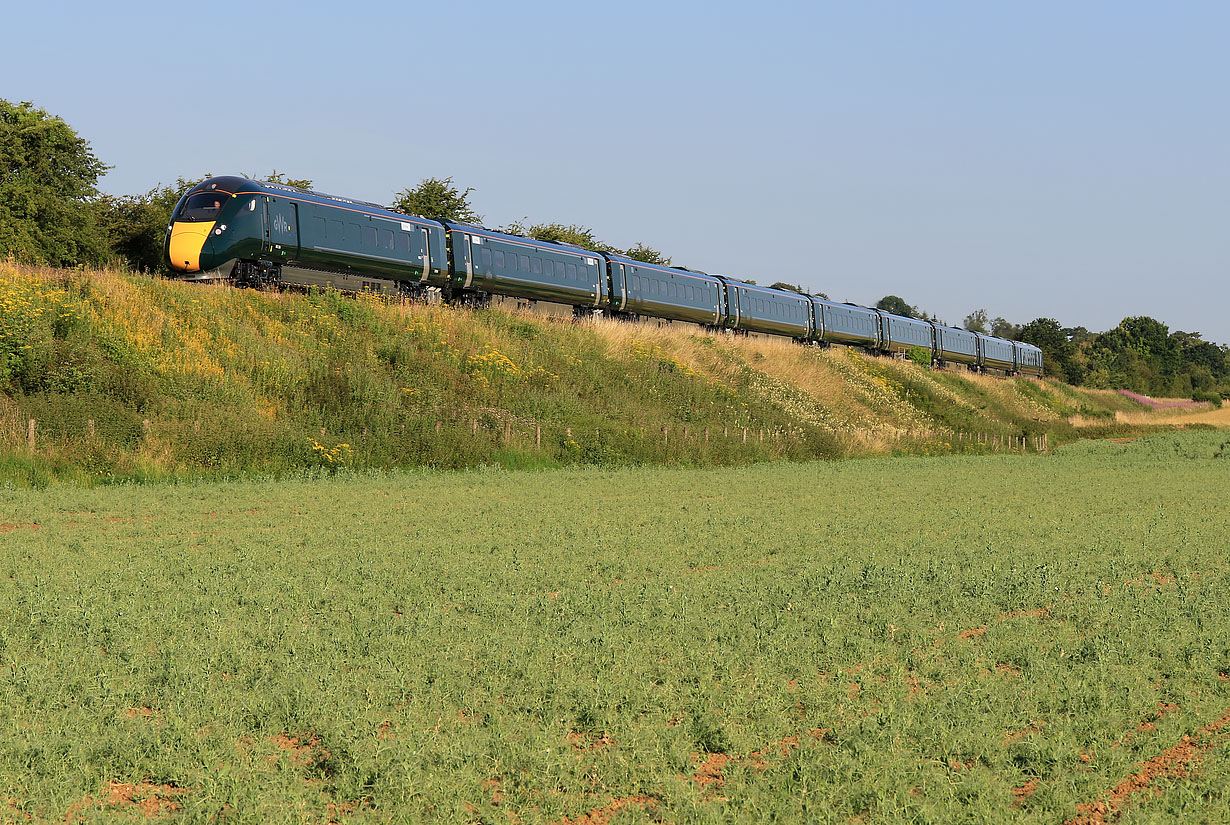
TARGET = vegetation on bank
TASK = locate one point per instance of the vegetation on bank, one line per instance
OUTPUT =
(133, 377)
(1037, 639)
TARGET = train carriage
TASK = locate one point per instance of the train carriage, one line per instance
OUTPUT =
(901, 333)
(486, 261)
(846, 324)
(1028, 359)
(268, 233)
(639, 288)
(997, 354)
(753, 308)
(957, 346)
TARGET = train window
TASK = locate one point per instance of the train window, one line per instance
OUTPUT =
(386, 238)
(403, 242)
(525, 263)
(485, 253)
(369, 236)
(559, 270)
(536, 266)
(499, 259)
(511, 257)
(572, 273)
(203, 206)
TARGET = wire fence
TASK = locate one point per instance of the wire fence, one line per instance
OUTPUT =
(485, 428)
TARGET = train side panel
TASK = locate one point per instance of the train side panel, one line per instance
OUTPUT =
(487, 261)
(847, 324)
(664, 292)
(770, 311)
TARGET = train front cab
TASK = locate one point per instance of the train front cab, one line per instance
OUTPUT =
(214, 225)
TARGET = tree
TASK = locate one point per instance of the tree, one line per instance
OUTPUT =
(897, 306)
(1057, 350)
(277, 177)
(48, 182)
(788, 287)
(1002, 328)
(976, 321)
(437, 199)
(648, 254)
(574, 234)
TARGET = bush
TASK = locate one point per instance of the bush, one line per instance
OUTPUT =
(1204, 395)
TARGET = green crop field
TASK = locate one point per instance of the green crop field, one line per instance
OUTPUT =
(948, 639)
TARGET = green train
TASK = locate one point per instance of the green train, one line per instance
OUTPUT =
(267, 234)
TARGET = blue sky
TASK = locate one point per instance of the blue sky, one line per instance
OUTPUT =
(1067, 160)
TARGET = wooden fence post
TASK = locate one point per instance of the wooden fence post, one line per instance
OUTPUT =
(745, 435)
(474, 427)
(665, 436)
(89, 428)
(538, 435)
(438, 424)
(706, 435)
(507, 432)
(30, 434)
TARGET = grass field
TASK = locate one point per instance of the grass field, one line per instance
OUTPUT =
(947, 639)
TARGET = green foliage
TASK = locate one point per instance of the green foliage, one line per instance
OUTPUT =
(48, 183)
(581, 236)
(977, 321)
(277, 177)
(648, 254)
(919, 355)
(526, 646)
(897, 306)
(437, 199)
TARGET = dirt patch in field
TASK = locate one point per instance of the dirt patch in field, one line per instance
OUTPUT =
(1024, 792)
(8, 527)
(1179, 760)
(305, 749)
(973, 633)
(601, 816)
(589, 742)
(1012, 736)
(144, 797)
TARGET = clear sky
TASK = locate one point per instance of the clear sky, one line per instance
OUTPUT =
(1060, 159)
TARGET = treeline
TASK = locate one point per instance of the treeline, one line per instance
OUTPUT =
(52, 213)
(1141, 354)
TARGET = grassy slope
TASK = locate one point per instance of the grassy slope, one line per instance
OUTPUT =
(819, 642)
(234, 382)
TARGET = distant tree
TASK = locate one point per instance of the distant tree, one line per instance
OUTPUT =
(277, 177)
(788, 287)
(48, 183)
(1057, 351)
(437, 199)
(976, 321)
(574, 234)
(648, 254)
(1001, 328)
(897, 306)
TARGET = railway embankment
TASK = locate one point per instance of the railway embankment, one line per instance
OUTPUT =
(108, 375)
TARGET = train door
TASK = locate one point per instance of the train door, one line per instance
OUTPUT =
(282, 229)
(619, 285)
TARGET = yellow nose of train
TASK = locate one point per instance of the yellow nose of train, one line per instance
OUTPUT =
(187, 240)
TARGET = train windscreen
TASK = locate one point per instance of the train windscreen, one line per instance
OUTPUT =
(203, 206)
